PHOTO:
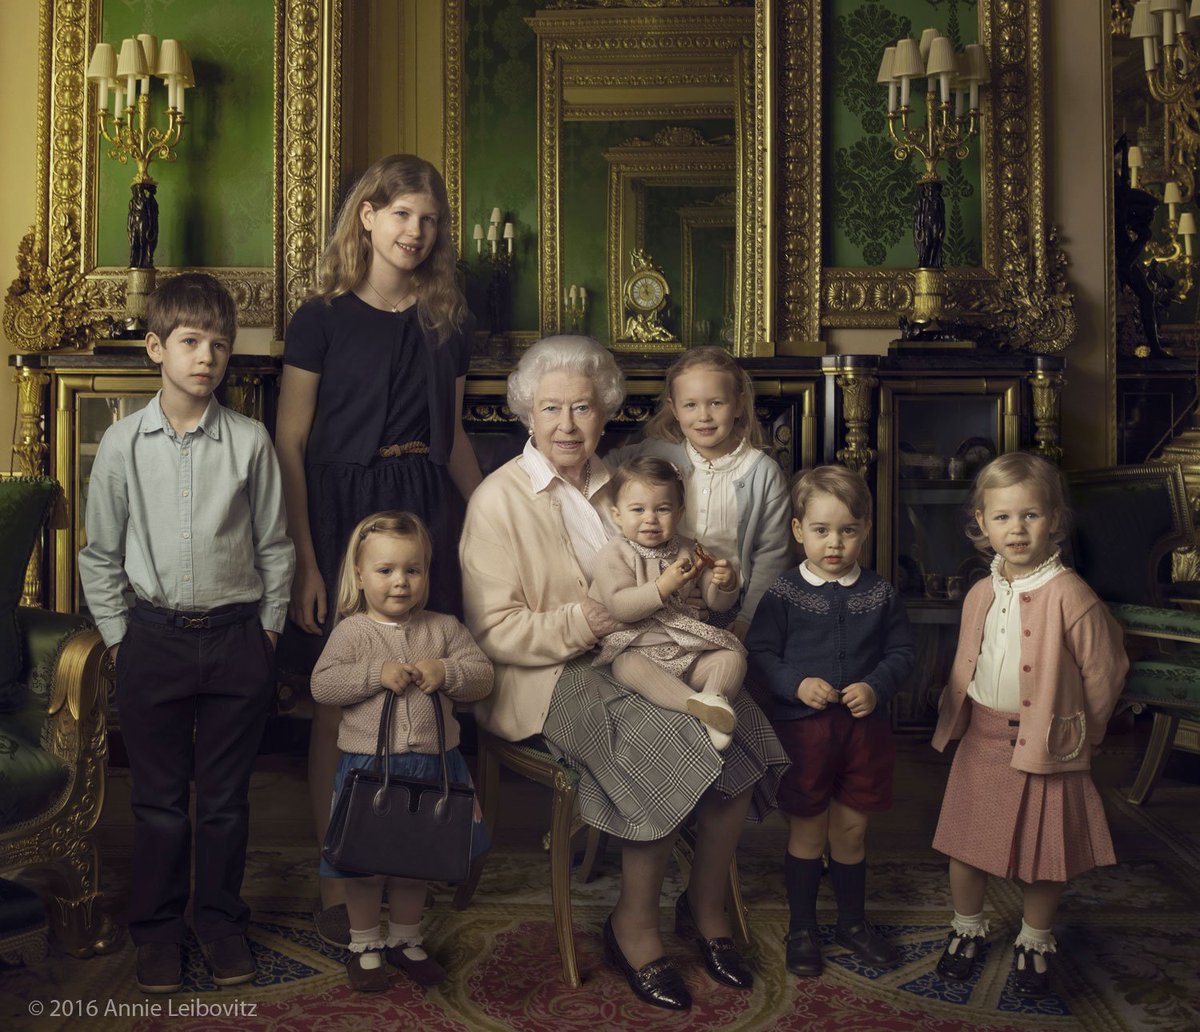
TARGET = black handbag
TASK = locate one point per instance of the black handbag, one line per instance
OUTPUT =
(401, 826)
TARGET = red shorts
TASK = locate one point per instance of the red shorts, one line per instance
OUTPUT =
(835, 756)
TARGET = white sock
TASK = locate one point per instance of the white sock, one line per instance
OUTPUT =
(410, 935)
(1040, 940)
(367, 942)
(967, 927)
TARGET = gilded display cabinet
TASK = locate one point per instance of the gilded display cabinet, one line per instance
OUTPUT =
(67, 401)
(919, 428)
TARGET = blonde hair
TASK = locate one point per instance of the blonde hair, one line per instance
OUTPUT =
(1020, 468)
(844, 484)
(647, 469)
(346, 259)
(665, 426)
(350, 598)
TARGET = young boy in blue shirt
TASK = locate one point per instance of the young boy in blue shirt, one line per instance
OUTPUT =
(830, 645)
(185, 506)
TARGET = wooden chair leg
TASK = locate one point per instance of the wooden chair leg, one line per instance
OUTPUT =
(596, 840)
(562, 813)
(737, 908)
(488, 777)
(1162, 736)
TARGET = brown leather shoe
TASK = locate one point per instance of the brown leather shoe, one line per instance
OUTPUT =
(229, 959)
(367, 980)
(160, 967)
(423, 972)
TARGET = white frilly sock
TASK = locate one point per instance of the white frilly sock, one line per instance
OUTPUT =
(410, 935)
(367, 942)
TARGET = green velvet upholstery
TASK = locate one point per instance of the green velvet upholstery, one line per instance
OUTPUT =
(1161, 681)
(1158, 621)
(25, 505)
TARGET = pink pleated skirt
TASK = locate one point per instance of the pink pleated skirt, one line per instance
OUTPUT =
(1034, 827)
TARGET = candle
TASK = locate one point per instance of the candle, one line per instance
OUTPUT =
(974, 96)
(582, 298)
(491, 235)
(892, 93)
(1173, 197)
(573, 293)
(960, 103)
(508, 235)
(130, 86)
(181, 90)
(905, 82)
(103, 84)
(120, 105)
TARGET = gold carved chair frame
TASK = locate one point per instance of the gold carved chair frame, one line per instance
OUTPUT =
(306, 138)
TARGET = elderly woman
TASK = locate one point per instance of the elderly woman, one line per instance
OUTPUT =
(532, 532)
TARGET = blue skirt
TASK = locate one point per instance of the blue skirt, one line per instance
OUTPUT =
(424, 766)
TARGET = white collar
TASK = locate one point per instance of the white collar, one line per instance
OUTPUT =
(725, 463)
(542, 473)
(1046, 570)
(845, 580)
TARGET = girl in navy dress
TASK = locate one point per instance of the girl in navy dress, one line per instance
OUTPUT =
(370, 418)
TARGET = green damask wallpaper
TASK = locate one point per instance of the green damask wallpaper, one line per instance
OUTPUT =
(216, 201)
(500, 144)
(868, 194)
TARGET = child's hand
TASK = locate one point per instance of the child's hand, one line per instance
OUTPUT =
(739, 629)
(816, 692)
(676, 576)
(724, 575)
(396, 677)
(430, 675)
(859, 699)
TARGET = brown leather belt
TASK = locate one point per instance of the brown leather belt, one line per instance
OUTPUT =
(392, 451)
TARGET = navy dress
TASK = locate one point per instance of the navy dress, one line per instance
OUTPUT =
(384, 381)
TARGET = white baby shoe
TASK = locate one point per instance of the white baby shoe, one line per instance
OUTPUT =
(717, 716)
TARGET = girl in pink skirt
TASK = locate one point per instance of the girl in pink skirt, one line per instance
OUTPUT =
(1039, 667)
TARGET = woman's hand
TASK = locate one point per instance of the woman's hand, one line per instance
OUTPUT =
(599, 619)
(724, 576)
(396, 677)
(816, 692)
(308, 599)
(859, 699)
(429, 675)
(675, 576)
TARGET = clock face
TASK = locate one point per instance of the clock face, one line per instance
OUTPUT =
(646, 292)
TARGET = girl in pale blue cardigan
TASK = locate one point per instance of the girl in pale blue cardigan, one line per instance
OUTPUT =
(737, 496)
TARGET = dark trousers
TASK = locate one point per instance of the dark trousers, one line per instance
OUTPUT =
(193, 703)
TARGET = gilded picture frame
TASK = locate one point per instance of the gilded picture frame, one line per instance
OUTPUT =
(305, 140)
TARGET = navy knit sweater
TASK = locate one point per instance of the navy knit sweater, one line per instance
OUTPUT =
(844, 635)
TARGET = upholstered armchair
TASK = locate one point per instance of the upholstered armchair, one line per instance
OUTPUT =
(1128, 522)
(53, 746)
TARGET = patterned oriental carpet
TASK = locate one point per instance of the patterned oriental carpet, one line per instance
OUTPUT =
(1129, 957)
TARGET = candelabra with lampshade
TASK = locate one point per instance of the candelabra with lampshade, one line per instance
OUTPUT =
(125, 79)
(952, 119)
(498, 260)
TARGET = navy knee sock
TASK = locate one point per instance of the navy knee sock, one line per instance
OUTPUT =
(803, 880)
(850, 889)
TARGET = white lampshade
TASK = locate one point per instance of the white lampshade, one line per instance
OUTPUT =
(189, 76)
(907, 62)
(150, 48)
(885, 66)
(1195, 11)
(927, 38)
(1187, 224)
(170, 60)
(1145, 22)
(941, 57)
(509, 232)
(1135, 156)
(478, 234)
(1172, 194)
(103, 65)
(980, 71)
(1163, 6)
(132, 60)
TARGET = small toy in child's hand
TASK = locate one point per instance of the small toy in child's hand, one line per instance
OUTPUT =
(704, 558)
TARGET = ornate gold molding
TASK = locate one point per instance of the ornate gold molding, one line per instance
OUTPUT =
(1021, 285)
(453, 34)
(692, 219)
(306, 142)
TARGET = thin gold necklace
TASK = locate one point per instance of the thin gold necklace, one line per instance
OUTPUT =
(394, 307)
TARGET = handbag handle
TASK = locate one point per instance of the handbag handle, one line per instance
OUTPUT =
(381, 803)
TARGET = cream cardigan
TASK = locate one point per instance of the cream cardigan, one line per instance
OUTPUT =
(523, 591)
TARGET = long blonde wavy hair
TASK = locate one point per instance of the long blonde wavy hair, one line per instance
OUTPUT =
(665, 426)
(346, 260)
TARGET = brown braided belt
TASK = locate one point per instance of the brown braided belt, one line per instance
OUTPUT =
(391, 451)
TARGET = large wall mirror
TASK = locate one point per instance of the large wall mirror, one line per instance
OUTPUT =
(249, 197)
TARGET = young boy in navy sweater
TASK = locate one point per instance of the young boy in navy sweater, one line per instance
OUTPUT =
(829, 646)
(185, 505)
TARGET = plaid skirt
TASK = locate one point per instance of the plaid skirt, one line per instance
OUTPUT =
(1034, 827)
(642, 768)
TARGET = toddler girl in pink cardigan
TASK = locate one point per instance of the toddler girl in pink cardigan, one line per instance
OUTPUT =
(664, 586)
(1039, 667)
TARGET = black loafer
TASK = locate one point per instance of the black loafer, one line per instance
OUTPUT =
(804, 953)
(230, 960)
(721, 957)
(865, 943)
(959, 965)
(1026, 979)
(656, 983)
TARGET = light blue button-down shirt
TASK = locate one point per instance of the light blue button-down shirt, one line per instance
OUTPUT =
(190, 521)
